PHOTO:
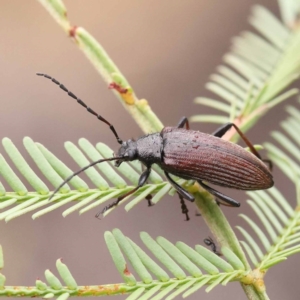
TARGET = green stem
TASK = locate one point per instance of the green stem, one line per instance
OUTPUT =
(253, 294)
(225, 236)
(219, 225)
(96, 290)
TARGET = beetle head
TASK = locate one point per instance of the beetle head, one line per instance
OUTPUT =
(127, 151)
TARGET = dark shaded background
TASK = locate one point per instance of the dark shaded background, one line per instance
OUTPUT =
(167, 50)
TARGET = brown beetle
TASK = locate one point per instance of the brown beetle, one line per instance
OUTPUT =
(191, 155)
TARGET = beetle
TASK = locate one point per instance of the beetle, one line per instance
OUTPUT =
(188, 154)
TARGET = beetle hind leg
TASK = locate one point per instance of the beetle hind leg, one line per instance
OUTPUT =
(226, 127)
(269, 163)
(223, 129)
(184, 208)
(221, 198)
(183, 121)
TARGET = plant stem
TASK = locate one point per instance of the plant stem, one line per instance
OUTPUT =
(116, 81)
(225, 236)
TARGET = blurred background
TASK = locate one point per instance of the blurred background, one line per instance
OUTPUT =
(167, 50)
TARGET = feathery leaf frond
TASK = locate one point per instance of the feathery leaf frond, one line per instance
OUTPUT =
(288, 160)
(265, 64)
(279, 220)
(185, 264)
(260, 67)
(115, 183)
(281, 225)
(62, 288)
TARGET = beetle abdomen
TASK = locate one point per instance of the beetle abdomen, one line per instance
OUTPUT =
(195, 155)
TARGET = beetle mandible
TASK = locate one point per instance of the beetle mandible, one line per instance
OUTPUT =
(188, 154)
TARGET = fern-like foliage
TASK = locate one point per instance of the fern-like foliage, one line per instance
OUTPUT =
(282, 225)
(185, 265)
(21, 201)
(62, 288)
(280, 221)
(288, 161)
(185, 270)
(265, 65)
(258, 68)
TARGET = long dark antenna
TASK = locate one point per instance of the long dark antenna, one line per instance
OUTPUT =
(83, 104)
(81, 170)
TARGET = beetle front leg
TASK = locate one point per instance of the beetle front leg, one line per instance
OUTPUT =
(142, 181)
(183, 121)
(221, 198)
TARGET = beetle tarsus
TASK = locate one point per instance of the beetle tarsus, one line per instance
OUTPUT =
(269, 163)
(184, 208)
(149, 198)
(98, 215)
(184, 121)
(209, 242)
(109, 206)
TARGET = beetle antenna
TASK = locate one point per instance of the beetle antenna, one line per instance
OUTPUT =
(111, 127)
(83, 169)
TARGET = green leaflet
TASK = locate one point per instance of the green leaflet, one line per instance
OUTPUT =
(83, 198)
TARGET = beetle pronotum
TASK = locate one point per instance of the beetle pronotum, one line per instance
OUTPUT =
(188, 154)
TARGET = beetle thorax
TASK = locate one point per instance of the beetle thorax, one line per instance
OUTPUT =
(149, 148)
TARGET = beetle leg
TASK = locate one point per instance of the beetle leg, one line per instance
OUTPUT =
(149, 198)
(181, 191)
(183, 121)
(184, 208)
(223, 129)
(209, 242)
(223, 199)
(142, 181)
(269, 163)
